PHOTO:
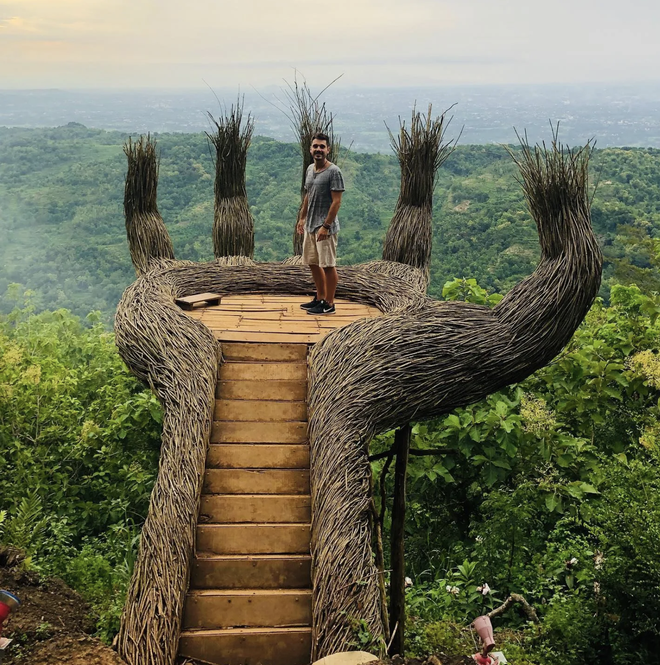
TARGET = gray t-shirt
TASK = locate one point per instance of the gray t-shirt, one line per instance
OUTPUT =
(318, 187)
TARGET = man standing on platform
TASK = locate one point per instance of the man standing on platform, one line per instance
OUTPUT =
(324, 186)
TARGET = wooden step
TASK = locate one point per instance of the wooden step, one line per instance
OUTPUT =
(259, 410)
(263, 571)
(266, 390)
(256, 432)
(256, 481)
(225, 335)
(253, 538)
(265, 352)
(214, 609)
(248, 646)
(257, 456)
(235, 371)
(256, 509)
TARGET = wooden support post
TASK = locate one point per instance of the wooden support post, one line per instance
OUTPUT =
(398, 562)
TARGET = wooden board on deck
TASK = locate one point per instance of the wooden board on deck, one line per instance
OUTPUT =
(199, 300)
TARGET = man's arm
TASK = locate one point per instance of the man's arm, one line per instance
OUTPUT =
(322, 233)
(302, 216)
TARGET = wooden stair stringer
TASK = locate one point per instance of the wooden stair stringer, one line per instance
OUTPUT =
(249, 599)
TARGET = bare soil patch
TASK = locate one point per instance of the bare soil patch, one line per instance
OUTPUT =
(52, 625)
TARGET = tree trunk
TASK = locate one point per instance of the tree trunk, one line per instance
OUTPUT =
(398, 576)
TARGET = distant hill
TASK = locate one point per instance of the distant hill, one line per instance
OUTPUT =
(616, 114)
(63, 234)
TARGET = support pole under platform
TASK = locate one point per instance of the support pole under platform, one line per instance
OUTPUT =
(397, 547)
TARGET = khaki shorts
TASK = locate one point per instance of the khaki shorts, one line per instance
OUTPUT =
(321, 253)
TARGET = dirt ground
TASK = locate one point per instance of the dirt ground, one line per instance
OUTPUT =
(51, 627)
(82, 650)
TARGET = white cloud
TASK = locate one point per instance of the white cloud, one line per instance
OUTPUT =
(169, 43)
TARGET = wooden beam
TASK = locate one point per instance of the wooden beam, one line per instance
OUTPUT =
(398, 561)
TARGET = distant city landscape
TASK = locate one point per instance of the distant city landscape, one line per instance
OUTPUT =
(615, 115)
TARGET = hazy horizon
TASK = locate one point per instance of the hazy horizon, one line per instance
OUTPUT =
(294, 72)
(615, 115)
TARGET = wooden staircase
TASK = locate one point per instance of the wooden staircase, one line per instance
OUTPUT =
(250, 598)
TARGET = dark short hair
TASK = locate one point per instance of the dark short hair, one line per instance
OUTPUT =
(320, 136)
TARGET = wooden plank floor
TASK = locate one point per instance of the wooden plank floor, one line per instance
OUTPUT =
(275, 319)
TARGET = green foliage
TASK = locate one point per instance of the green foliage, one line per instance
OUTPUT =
(451, 637)
(459, 596)
(80, 441)
(626, 528)
(468, 290)
(100, 572)
(444, 636)
(569, 631)
(27, 528)
(363, 638)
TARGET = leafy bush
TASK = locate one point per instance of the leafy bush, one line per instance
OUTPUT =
(460, 596)
(80, 440)
(626, 525)
(550, 489)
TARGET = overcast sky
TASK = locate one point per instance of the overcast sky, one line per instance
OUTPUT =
(184, 43)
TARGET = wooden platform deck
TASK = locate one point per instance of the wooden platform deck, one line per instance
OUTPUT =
(275, 319)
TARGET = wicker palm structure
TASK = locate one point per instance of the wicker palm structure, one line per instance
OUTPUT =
(421, 150)
(147, 237)
(420, 360)
(233, 226)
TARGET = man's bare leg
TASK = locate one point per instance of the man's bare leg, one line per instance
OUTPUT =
(318, 274)
(331, 279)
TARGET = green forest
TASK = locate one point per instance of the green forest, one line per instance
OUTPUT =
(549, 489)
(61, 219)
